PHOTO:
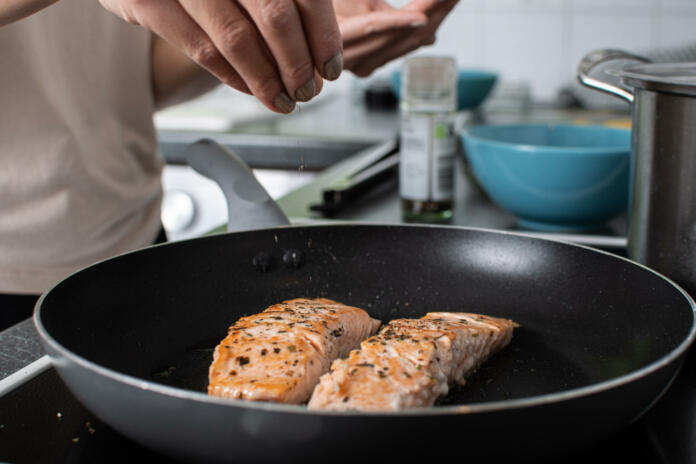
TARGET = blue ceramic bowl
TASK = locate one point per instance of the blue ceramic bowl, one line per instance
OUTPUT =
(473, 86)
(553, 177)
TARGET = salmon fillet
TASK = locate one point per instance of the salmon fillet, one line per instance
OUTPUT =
(279, 354)
(411, 362)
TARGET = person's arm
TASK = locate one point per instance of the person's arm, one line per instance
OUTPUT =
(14, 10)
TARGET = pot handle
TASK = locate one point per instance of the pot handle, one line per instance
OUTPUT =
(249, 206)
(597, 57)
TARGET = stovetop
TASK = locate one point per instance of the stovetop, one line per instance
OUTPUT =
(472, 207)
(42, 422)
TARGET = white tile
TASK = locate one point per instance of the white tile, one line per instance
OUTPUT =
(469, 5)
(619, 7)
(685, 7)
(675, 31)
(523, 6)
(526, 48)
(590, 32)
(461, 35)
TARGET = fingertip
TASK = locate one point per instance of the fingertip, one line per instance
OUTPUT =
(333, 67)
(307, 91)
(283, 103)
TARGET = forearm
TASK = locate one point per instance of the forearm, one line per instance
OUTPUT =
(14, 10)
(175, 77)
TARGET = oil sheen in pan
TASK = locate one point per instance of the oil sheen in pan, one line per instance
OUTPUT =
(527, 367)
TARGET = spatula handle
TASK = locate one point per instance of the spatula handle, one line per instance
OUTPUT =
(249, 206)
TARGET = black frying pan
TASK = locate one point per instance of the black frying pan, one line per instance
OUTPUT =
(601, 338)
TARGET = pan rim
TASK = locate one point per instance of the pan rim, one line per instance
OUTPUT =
(472, 408)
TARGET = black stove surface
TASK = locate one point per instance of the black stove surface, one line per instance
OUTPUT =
(42, 422)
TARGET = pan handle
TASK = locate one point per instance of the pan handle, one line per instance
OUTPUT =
(597, 57)
(249, 206)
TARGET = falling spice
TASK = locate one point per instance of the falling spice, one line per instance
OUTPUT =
(165, 374)
(90, 429)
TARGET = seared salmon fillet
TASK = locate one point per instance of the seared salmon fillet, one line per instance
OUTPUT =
(411, 362)
(279, 354)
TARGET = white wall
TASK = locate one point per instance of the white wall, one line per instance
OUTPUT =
(541, 41)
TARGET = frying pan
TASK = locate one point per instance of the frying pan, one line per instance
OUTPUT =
(601, 337)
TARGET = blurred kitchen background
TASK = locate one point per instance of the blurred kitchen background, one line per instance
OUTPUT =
(534, 46)
(540, 42)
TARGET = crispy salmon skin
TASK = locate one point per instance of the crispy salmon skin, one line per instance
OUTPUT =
(411, 362)
(279, 354)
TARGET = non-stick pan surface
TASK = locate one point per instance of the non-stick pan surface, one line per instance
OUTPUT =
(600, 339)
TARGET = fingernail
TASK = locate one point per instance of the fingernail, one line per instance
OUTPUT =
(333, 67)
(283, 103)
(307, 91)
(418, 23)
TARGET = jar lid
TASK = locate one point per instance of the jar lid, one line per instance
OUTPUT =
(679, 78)
(429, 83)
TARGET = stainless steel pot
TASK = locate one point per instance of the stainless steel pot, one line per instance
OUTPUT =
(662, 211)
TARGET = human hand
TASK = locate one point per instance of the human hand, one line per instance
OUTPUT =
(375, 33)
(277, 50)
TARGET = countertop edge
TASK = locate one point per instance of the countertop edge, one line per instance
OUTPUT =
(20, 346)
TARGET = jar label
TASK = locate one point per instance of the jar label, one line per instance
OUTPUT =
(427, 151)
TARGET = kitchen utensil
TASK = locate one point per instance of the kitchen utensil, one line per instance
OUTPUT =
(662, 213)
(473, 86)
(376, 170)
(601, 338)
(553, 177)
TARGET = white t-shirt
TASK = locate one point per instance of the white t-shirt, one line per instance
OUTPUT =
(79, 168)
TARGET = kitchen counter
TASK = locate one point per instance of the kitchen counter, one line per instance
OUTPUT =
(320, 136)
(343, 117)
(472, 208)
(19, 347)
